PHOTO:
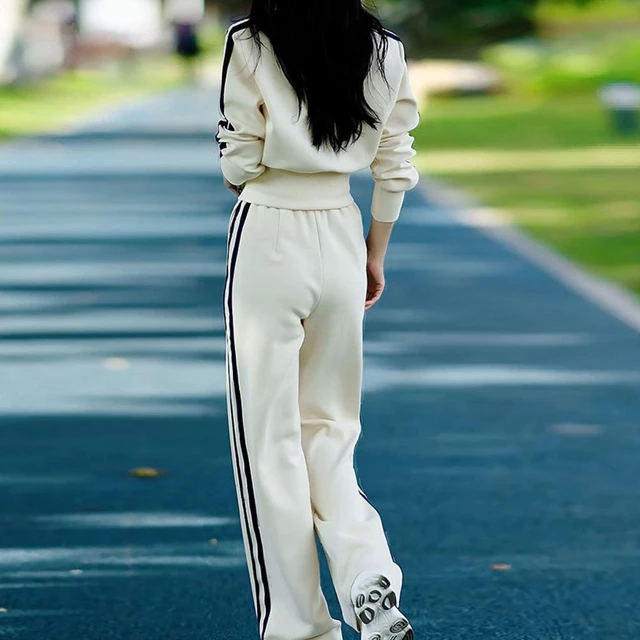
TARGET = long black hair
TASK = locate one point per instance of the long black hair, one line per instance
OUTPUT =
(326, 49)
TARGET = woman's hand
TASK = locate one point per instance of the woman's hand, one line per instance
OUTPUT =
(377, 242)
(375, 282)
(234, 188)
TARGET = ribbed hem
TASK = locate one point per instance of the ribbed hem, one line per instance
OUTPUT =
(386, 205)
(291, 190)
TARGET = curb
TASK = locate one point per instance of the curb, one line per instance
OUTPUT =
(494, 224)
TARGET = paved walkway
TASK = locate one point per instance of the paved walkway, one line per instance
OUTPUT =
(501, 410)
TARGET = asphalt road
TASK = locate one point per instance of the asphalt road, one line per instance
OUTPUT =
(501, 409)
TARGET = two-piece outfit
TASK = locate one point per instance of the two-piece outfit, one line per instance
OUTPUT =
(294, 303)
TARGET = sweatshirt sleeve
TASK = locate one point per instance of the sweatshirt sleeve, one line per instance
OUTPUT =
(241, 129)
(392, 169)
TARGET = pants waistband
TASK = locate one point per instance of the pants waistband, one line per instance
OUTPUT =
(292, 190)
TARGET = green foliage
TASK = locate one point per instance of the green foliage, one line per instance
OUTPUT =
(230, 9)
(212, 39)
(463, 26)
(443, 25)
(572, 15)
(569, 65)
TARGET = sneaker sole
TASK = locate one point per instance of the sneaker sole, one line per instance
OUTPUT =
(373, 600)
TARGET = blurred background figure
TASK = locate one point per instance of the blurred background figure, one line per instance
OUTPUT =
(187, 47)
(70, 31)
(186, 17)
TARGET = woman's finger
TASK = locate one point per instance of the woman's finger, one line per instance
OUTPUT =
(373, 296)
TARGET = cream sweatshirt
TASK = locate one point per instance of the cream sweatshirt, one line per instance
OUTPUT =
(266, 147)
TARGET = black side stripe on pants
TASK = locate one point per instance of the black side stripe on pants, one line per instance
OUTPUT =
(364, 495)
(232, 412)
(240, 443)
(234, 445)
(234, 219)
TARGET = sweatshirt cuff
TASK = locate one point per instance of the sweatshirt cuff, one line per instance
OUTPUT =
(237, 175)
(386, 205)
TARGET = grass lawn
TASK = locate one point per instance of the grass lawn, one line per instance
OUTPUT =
(515, 123)
(60, 100)
(554, 167)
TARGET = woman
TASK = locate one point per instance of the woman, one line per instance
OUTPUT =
(187, 46)
(311, 92)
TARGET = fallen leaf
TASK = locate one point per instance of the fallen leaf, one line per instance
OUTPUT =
(145, 472)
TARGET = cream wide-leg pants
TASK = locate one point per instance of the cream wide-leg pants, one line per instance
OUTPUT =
(294, 304)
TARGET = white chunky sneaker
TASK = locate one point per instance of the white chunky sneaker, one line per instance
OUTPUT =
(375, 604)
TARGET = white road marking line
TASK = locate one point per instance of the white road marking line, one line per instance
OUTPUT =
(411, 339)
(378, 377)
(576, 430)
(230, 553)
(133, 519)
(492, 223)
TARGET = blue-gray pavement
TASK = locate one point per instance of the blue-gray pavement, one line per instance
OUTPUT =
(500, 413)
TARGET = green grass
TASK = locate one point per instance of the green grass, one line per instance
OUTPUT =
(60, 100)
(569, 65)
(570, 13)
(516, 124)
(590, 215)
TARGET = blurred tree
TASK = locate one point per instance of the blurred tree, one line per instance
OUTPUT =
(458, 28)
(444, 27)
(229, 8)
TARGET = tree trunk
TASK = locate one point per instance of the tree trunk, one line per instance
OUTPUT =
(10, 21)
